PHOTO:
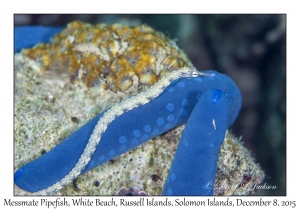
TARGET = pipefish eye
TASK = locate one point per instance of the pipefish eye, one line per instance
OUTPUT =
(195, 73)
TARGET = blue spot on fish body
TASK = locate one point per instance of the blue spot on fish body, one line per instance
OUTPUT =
(155, 132)
(170, 117)
(145, 137)
(147, 128)
(134, 142)
(101, 158)
(170, 192)
(198, 79)
(183, 112)
(186, 143)
(160, 121)
(170, 89)
(122, 140)
(170, 107)
(181, 84)
(112, 153)
(185, 102)
(173, 177)
(136, 133)
(168, 126)
(122, 147)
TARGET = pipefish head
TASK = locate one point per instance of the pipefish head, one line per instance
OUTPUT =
(187, 72)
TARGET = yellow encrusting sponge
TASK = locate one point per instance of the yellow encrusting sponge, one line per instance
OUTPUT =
(110, 55)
